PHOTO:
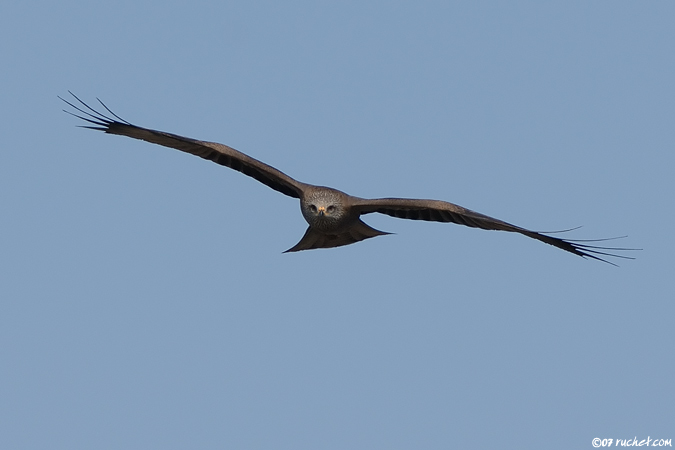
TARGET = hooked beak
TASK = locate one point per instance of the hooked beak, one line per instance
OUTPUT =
(322, 210)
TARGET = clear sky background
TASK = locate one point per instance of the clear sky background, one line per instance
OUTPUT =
(144, 298)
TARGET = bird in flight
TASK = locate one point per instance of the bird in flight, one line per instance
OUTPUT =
(334, 217)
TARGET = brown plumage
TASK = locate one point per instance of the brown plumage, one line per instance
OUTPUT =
(333, 216)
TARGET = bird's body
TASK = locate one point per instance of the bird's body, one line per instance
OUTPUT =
(333, 216)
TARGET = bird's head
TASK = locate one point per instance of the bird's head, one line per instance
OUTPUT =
(323, 207)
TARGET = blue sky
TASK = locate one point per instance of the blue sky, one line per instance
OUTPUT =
(145, 300)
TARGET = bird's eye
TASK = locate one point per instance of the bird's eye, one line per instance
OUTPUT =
(312, 208)
(330, 208)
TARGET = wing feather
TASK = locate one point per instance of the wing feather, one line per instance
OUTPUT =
(218, 153)
(440, 211)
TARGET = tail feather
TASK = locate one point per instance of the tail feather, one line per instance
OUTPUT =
(316, 239)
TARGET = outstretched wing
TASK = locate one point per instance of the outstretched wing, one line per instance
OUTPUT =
(218, 153)
(440, 211)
